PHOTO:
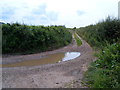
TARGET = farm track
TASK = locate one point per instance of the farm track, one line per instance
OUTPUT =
(59, 75)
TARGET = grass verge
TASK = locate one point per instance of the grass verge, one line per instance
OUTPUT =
(79, 42)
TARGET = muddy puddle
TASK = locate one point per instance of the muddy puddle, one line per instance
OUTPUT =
(52, 58)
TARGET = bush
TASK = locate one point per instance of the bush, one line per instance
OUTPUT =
(109, 57)
(105, 31)
(105, 36)
(105, 72)
(19, 38)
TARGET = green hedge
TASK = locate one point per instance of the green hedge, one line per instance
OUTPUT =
(106, 31)
(18, 38)
(105, 37)
(105, 72)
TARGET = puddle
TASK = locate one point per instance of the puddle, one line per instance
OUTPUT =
(70, 56)
(52, 58)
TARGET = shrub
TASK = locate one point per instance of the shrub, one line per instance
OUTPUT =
(19, 38)
(105, 31)
(105, 72)
(105, 36)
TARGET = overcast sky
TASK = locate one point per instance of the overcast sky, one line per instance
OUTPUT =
(71, 13)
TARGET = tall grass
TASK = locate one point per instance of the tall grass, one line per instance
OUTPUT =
(105, 36)
(78, 41)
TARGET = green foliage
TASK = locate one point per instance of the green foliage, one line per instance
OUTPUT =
(19, 38)
(105, 36)
(109, 57)
(105, 31)
(74, 28)
(105, 72)
(79, 42)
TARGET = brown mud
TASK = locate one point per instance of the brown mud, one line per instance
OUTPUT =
(57, 75)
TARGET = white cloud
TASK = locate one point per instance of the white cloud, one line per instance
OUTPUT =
(72, 13)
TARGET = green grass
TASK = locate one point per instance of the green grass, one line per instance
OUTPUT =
(79, 42)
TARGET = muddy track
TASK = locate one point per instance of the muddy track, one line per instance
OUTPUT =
(50, 75)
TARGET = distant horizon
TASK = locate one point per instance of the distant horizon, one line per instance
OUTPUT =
(22, 23)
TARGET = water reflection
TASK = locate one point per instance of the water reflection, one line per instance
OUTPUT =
(52, 58)
(70, 56)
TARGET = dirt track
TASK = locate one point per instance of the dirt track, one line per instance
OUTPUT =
(57, 75)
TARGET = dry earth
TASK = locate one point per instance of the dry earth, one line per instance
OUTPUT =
(66, 74)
